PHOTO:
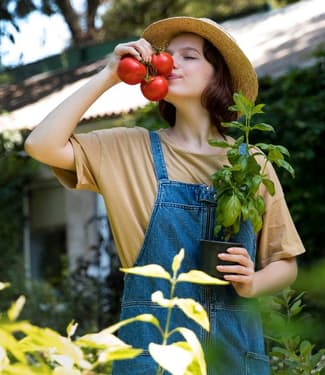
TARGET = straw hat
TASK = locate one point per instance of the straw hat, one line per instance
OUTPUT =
(242, 71)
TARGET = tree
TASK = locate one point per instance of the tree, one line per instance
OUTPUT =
(81, 25)
(126, 18)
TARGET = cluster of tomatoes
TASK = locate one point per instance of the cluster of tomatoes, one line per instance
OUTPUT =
(151, 76)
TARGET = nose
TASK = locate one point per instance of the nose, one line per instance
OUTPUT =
(175, 61)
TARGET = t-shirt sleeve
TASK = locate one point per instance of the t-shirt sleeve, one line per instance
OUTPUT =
(278, 238)
(87, 153)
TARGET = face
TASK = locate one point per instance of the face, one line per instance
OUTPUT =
(192, 72)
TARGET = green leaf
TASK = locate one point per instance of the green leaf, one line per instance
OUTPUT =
(269, 185)
(233, 124)
(230, 210)
(260, 204)
(177, 261)
(284, 164)
(305, 349)
(200, 277)
(243, 104)
(282, 149)
(263, 146)
(150, 270)
(258, 109)
(193, 310)
(263, 127)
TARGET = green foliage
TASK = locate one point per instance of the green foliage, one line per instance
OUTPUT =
(29, 349)
(296, 104)
(284, 323)
(190, 357)
(237, 183)
(128, 18)
(15, 173)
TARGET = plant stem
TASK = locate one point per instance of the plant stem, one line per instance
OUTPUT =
(160, 371)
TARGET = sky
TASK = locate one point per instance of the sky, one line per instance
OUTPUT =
(39, 37)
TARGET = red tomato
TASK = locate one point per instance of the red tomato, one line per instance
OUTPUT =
(163, 63)
(155, 88)
(130, 70)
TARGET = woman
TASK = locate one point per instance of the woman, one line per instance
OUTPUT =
(156, 186)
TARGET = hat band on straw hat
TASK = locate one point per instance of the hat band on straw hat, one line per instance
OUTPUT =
(241, 69)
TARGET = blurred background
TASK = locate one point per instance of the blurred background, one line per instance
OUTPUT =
(56, 246)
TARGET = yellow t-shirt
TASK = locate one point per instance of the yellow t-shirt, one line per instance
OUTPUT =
(118, 164)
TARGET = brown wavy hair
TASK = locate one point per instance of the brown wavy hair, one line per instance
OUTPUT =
(216, 97)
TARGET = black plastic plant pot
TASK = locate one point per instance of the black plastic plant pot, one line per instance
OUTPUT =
(209, 260)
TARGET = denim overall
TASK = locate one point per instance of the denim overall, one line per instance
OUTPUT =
(182, 215)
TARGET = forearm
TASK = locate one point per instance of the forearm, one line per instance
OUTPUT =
(274, 277)
(53, 133)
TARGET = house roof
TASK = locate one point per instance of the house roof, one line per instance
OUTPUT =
(275, 41)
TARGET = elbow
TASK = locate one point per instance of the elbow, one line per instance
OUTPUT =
(30, 148)
(33, 148)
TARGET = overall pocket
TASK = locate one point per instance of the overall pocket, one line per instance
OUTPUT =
(256, 364)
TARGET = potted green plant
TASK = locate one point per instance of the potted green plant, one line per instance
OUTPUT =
(237, 183)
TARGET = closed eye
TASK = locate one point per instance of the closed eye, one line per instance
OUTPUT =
(189, 58)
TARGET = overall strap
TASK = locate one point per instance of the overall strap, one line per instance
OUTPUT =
(158, 156)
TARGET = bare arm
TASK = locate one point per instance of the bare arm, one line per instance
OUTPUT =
(248, 283)
(49, 141)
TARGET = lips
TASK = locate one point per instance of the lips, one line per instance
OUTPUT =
(172, 76)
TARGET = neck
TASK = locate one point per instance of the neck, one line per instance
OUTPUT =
(193, 129)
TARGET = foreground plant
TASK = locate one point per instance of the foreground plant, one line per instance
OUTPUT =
(44, 351)
(183, 357)
(237, 183)
(290, 354)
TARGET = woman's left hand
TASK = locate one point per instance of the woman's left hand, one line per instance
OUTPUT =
(240, 275)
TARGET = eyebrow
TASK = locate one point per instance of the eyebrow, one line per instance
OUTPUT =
(186, 49)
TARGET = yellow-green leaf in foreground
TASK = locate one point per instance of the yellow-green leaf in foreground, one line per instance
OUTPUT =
(71, 329)
(16, 308)
(11, 344)
(174, 358)
(4, 285)
(150, 270)
(104, 337)
(116, 354)
(4, 360)
(200, 277)
(158, 298)
(177, 261)
(21, 369)
(100, 340)
(66, 371)
(194, 311)
(198, 355)
(41, 339)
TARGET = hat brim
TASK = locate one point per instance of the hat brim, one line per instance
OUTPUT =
(241, 69)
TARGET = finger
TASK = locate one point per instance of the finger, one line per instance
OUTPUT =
(241, 259)
(235, 269)
(238, 250)
(241, 279)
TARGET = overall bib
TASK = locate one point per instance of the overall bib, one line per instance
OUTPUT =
(182, 215)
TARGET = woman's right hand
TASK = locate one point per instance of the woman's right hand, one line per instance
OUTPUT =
(140, 49)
